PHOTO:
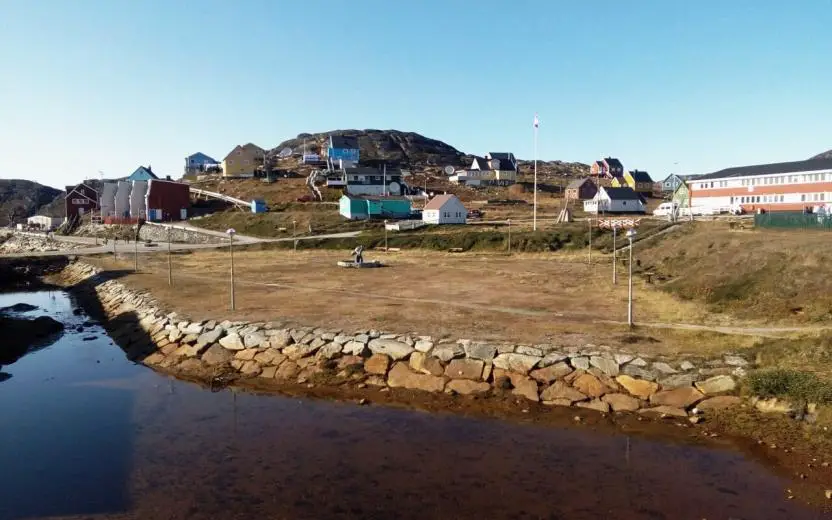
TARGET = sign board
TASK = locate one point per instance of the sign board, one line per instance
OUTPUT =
(610, 223)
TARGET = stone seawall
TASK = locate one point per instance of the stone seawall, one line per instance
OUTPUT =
(592, 376)
(158, 233)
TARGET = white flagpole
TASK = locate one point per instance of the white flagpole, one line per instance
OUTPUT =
(534, 220)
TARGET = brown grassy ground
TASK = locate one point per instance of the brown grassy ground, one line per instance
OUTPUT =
(523, 298)
(762, 275)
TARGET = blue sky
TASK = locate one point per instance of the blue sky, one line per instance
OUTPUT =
(107, 85)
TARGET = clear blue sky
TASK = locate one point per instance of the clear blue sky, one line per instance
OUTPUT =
(93, 85)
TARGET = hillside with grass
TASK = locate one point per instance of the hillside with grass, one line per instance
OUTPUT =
(767, 276)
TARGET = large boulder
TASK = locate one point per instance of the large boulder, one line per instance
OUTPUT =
(717, 385)
(682, 397)
(559, 390)
(395, 349)
(217, 355)
(401, 376)
(232, 341)
(638, 387)
(464, 369)
(514, 362)
(551, 372)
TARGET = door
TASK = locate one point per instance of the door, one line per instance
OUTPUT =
(183, 214)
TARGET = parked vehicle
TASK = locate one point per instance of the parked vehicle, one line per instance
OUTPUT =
(474, 213)
(666, 209)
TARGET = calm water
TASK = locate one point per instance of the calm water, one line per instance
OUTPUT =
(86, 434)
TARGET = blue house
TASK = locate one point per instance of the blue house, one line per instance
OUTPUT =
(362, 208)
(199, 162)
(142, 174)
(343, 151)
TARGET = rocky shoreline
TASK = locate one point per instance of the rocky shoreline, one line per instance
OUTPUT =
(593, 377)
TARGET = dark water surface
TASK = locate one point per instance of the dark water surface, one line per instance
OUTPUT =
(84, 433)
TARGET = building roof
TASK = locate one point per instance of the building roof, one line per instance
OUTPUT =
(143, 173)
(770, 169)
(344, 141)
(247, 146)
(201, 156)
(577, 183)
(613, 163)
(374, 197)
(640, 176)
(439, 201)
(482, 163)
(502, 156)
(625, 193)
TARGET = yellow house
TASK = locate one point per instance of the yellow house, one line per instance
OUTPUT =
(242, 161)
(638, 180)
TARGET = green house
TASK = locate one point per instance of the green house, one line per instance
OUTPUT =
(355, 207)
(681, 195)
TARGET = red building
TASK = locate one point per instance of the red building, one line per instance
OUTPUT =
(167, 200)
(80, 200)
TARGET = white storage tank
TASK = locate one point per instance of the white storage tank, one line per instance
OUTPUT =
(108, 199)
(122, 199)
(137, 199)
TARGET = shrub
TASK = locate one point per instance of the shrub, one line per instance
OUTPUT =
(793, 384)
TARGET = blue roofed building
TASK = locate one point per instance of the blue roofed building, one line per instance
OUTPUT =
(199, 162)
(142, 173)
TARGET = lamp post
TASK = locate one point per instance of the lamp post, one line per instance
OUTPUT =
(170, 262)
(231, 233)
(294, 235)
(509, 236)
(385, 235)
(614, 274)
(631, 234)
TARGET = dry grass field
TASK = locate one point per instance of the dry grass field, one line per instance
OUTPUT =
(530, 298)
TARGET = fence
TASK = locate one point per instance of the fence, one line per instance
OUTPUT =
(793, 220)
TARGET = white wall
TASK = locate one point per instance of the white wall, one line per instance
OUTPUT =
(452, 212)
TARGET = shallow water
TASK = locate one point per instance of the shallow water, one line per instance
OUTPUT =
(84, 433)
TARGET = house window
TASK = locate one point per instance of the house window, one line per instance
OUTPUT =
(803, 198)
(230, 162)
(624, 203)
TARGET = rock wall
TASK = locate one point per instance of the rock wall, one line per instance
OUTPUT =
(593, 376)
(157, 233)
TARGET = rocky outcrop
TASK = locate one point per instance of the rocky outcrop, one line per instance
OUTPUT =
(592, 376)
(24, 335)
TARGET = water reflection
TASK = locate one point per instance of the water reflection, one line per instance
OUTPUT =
(85, 432)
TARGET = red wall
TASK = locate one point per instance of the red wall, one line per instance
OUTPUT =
(169, 196)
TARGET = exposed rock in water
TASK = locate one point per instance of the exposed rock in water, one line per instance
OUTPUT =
(18, 307)
(22, 335)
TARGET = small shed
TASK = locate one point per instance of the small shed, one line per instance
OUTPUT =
(615, 200)
(355, 207)
(444, 209)
(581, 189)
(681, 195)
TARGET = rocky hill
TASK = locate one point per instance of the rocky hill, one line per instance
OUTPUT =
(825, 155)
(20, 199)
(409, 149)
(393, 146)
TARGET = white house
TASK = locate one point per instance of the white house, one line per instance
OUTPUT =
(444, 209)
(615, 200)
(44, 222)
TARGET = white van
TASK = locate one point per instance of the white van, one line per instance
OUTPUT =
(666, 208)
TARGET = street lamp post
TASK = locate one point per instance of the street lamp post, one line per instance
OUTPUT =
(231, 233)
(170, 262)
(631, 234)
(509, 235)
(614, 267)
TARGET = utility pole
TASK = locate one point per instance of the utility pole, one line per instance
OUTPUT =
(231, 232)
(614, 267)
(136, 252)
(294, 235)
(385, 235)
(589, 222)
(509, 236)
(631, 233)
(170, 262)
(534, 220)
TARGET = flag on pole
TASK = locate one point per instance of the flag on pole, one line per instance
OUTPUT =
(536, 121)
